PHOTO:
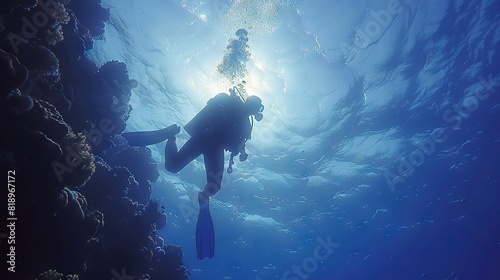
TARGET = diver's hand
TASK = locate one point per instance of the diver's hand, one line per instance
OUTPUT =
(243, 156)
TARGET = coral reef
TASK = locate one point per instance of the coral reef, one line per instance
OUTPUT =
(76, 204)
(7, 6)
(43, 66)
(103, 95)
(13, 75)
(107, 185)
(85, 196)
(51, 275)
(40, 23)
(91, 15)
(12, 72)
(138, 161)
(78, 157)
(54, 275)
(59, 13)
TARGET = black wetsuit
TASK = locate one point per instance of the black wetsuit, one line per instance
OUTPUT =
(222, 125)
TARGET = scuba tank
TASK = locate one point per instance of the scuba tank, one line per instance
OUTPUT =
(212, 115)
(200, 123)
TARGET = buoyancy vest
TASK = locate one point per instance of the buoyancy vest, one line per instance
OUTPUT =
(224, 118)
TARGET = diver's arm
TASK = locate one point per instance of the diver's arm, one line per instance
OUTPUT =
(240, 150)
(243, 155)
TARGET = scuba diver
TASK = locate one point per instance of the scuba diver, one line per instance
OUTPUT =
(225, 123)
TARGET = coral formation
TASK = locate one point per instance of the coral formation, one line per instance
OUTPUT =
(138, 160)
(18, 102)
(13, 74)
(54, 275)
(94, 221)
(75, 203)
(91, 15)
(78, 158)
(51, 275)
(108, 184)
(7, 6)
(54, 35)
(59, 13)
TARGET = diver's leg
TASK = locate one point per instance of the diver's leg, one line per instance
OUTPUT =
(176, 160)
(214, 167)
(144, 138)
(205, 233)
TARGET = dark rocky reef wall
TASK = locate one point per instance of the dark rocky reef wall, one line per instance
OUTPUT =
(82, 195)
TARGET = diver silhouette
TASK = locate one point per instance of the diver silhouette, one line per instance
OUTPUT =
(224, 124)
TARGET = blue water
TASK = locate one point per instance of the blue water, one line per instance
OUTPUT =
(380, 136)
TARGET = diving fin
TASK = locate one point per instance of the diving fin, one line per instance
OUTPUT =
(205, 235)
(145, 138)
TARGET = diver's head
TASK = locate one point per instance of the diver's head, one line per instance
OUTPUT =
(255, 107)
